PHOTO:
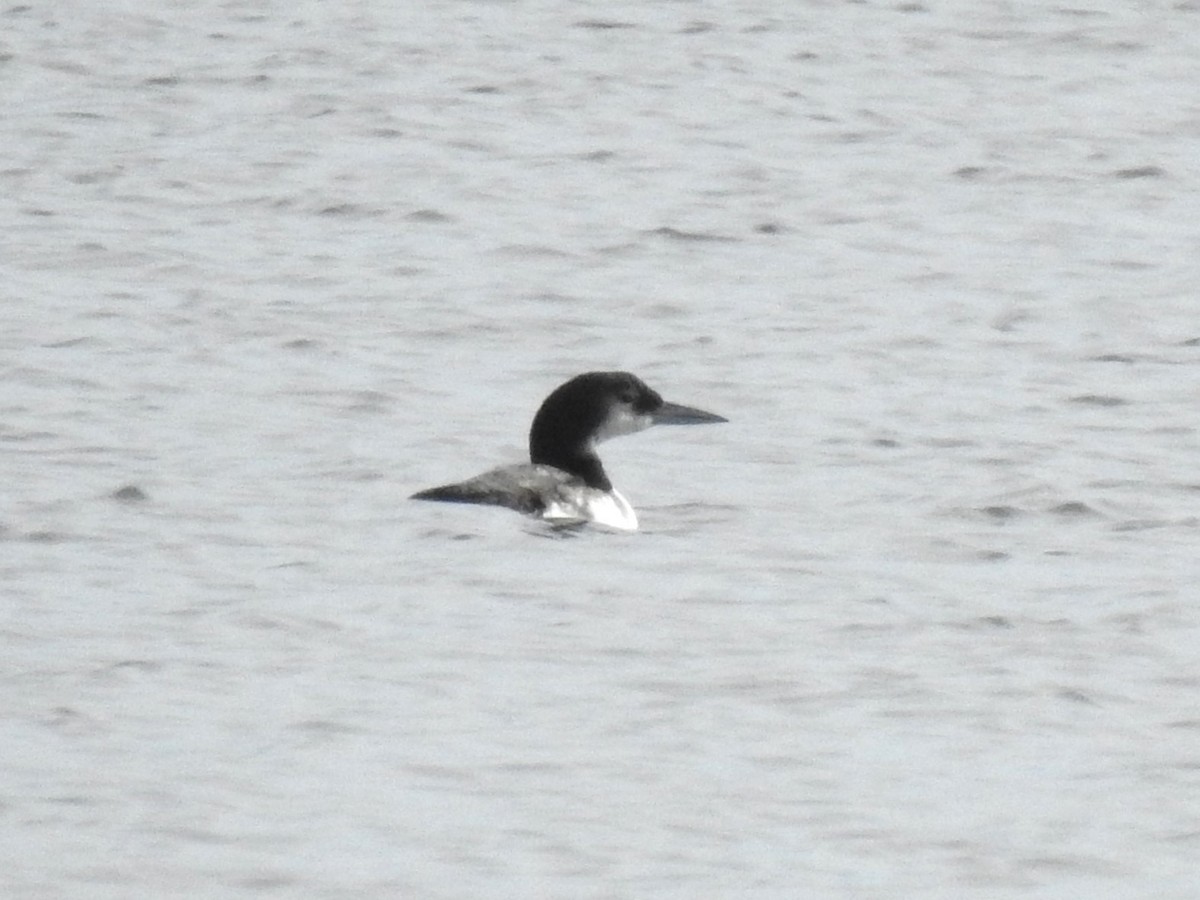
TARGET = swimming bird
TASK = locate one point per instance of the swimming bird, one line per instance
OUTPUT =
(564, 481)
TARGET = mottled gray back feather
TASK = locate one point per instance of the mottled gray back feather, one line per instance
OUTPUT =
(525, 488)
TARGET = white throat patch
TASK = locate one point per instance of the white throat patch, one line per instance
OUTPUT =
(621, 421)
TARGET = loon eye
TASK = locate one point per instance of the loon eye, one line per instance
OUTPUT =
(627, 397)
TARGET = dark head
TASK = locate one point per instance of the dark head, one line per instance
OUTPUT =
(593, 407)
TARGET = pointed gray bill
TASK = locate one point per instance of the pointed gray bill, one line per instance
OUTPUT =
(677, 414)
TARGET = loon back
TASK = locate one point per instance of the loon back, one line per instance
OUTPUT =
(536, 490)
(527, 488)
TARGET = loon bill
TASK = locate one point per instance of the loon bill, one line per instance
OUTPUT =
(564, 481)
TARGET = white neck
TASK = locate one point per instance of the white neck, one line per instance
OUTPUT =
(607, 508)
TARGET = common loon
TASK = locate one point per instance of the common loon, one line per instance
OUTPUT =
(564, 481)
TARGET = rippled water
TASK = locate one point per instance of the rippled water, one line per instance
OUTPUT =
(918, 622)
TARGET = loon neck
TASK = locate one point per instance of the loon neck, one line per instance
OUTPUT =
(583, 464)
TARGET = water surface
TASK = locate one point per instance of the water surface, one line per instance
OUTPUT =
(917, 622)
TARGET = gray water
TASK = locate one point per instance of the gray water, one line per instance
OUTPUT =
(921, 621)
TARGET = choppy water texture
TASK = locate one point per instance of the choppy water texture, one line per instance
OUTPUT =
(921, 621)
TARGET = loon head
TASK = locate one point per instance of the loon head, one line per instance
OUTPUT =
(594, 407)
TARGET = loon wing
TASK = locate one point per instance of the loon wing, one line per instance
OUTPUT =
(526, 488)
